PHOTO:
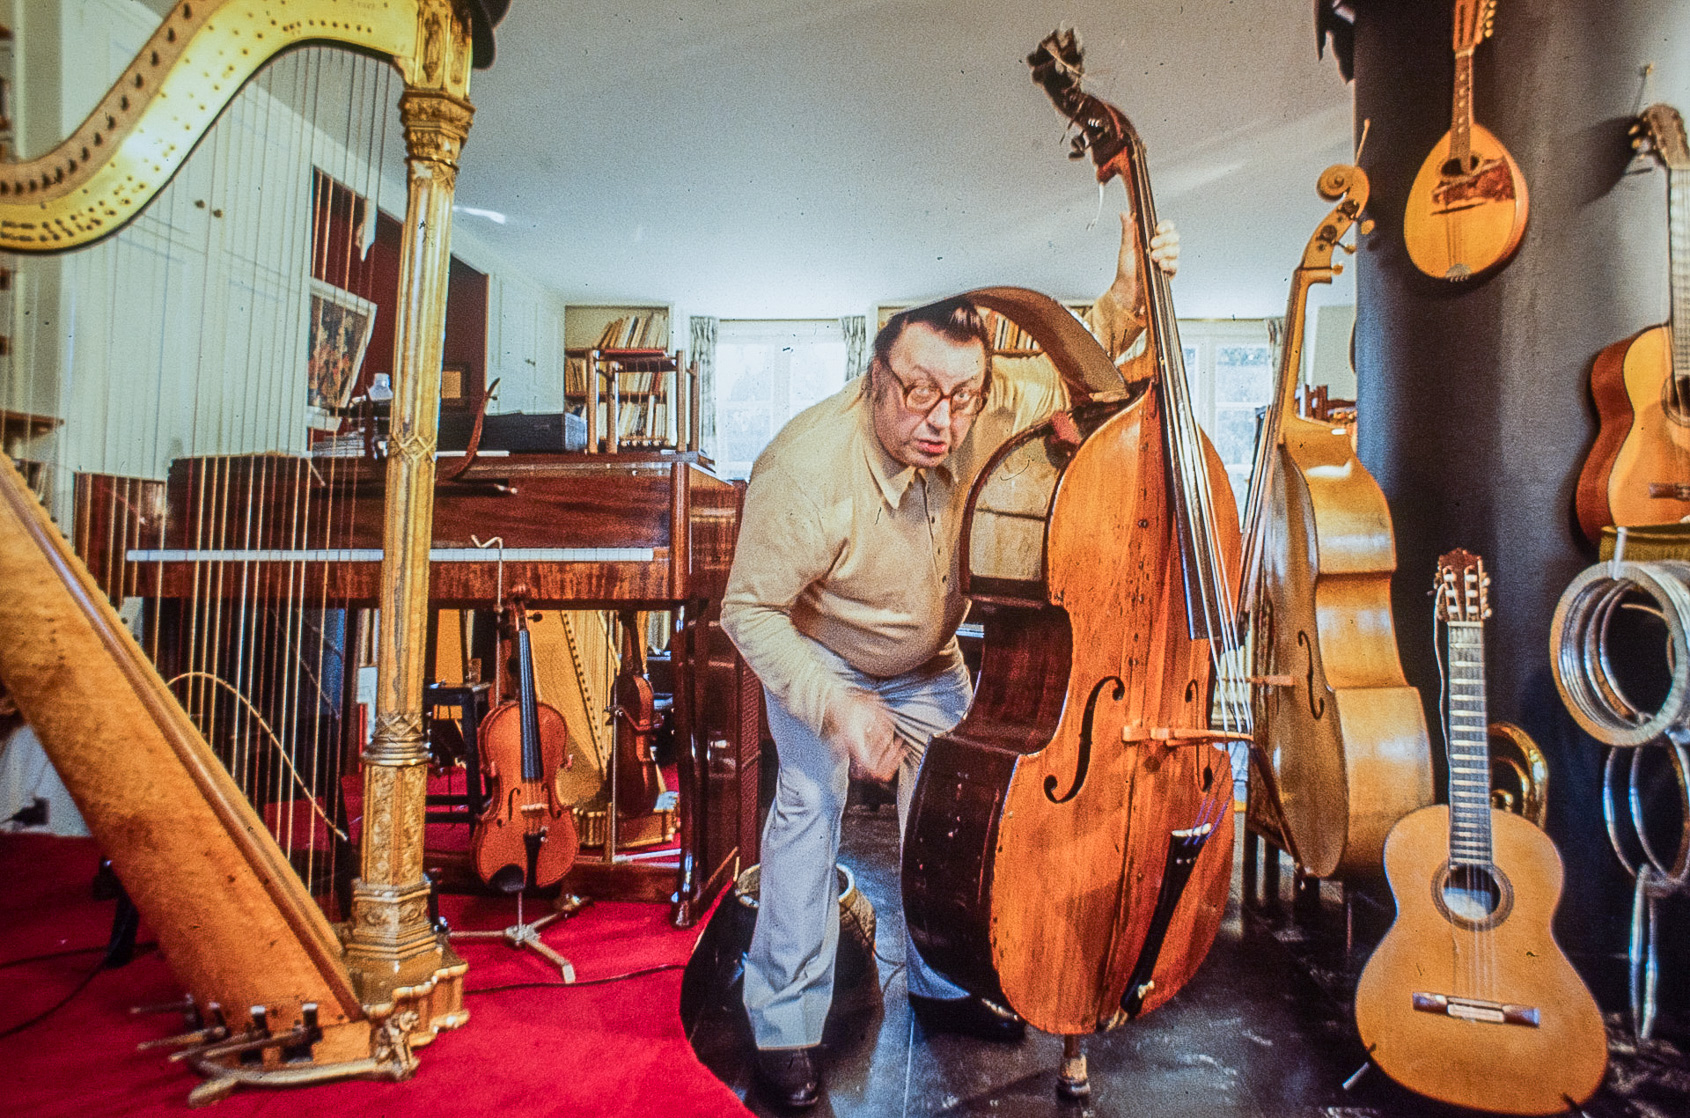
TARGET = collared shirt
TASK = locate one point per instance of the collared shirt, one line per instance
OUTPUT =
(843, 546)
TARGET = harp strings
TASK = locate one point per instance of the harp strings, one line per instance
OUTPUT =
(174, 353)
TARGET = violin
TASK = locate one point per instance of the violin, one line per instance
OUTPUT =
(526, 837)
(634, 711)
(1069, 848)
(1341, 749)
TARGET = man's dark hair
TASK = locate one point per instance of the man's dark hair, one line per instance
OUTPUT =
(955, 318)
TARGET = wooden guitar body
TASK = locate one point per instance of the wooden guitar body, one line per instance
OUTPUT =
(1347, 737)
(1041, 825)
(1510, 960)
(1638, 471)
(1465, 216)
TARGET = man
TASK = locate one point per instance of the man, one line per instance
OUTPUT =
(843, 599)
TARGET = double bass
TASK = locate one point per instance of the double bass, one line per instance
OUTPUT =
(1341, 748)
(526, 837)
(1069, 846)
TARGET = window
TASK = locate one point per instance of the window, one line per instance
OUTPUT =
(1229, 366)
(767, 371)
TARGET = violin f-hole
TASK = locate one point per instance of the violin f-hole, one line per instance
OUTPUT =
(1316, 709)
(1084, 763)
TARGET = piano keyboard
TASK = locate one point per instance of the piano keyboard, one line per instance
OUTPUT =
(373, 555)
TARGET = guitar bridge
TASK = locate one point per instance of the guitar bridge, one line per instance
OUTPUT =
(1672, 491)
(1477, 1009)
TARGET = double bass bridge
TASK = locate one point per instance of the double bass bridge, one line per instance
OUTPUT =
(1176, 736)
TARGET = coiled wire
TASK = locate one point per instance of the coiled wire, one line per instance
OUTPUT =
(1584, 674)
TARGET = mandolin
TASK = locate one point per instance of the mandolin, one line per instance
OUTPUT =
(1468, 999)
(1467, 208)
(526, 837)
(1638, 471)
(1341, 750)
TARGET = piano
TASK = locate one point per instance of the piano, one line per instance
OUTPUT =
(640, 530)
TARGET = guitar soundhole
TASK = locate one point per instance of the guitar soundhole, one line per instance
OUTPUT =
(1473, 896)
(1675, 399)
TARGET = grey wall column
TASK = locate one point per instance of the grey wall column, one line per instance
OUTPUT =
(1474, 399)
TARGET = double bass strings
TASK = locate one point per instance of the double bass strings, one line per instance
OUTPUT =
(1206, 579)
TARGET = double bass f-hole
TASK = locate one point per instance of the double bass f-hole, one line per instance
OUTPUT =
(1317, 707)
(1083, 765)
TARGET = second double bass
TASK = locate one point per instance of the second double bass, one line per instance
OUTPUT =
(1069, 849)
(1341, 736)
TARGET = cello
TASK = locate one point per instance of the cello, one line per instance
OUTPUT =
(1069, 847)
(526, 837)
(1341, 747)
(634, 710)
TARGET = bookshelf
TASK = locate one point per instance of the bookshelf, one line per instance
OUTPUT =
(620, 326)
(648, 397)
(619, 370)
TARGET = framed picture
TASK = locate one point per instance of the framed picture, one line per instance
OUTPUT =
(454, 383)
(340, 332)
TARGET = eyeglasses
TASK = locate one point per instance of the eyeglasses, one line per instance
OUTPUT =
(922, 397)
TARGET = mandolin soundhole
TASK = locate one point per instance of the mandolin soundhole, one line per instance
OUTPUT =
(1473, 897)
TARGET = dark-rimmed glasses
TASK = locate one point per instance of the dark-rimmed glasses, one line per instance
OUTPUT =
(922, 397)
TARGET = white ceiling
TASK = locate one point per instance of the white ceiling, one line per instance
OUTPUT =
(810, 158)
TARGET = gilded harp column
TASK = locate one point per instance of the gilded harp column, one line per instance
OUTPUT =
(391, 945)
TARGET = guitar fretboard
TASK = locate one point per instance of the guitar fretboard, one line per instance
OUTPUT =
(1678, 248)
(1469, 747)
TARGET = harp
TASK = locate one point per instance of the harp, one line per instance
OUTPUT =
(165, 771)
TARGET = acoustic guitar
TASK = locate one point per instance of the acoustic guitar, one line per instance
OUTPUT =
(1468, 999)
(1467, 208)
(1638, 471)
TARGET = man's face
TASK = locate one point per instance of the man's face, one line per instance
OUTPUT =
(923, 356)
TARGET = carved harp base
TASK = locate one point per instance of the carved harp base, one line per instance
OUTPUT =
(379, 1046)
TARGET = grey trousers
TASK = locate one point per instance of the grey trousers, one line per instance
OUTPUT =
(789, 969)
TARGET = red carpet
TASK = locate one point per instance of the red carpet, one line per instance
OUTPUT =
(615, 1049)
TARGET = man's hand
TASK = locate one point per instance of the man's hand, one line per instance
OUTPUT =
(861, 725)
(1164, 250)
(1164, 247)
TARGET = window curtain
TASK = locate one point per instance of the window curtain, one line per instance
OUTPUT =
(703, 330)
(854, 328)
(1276, 338)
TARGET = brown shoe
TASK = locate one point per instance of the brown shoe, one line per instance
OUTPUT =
(975, 1017)
(789, 1077)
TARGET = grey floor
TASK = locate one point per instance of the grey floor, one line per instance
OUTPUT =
(1263, 1031)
